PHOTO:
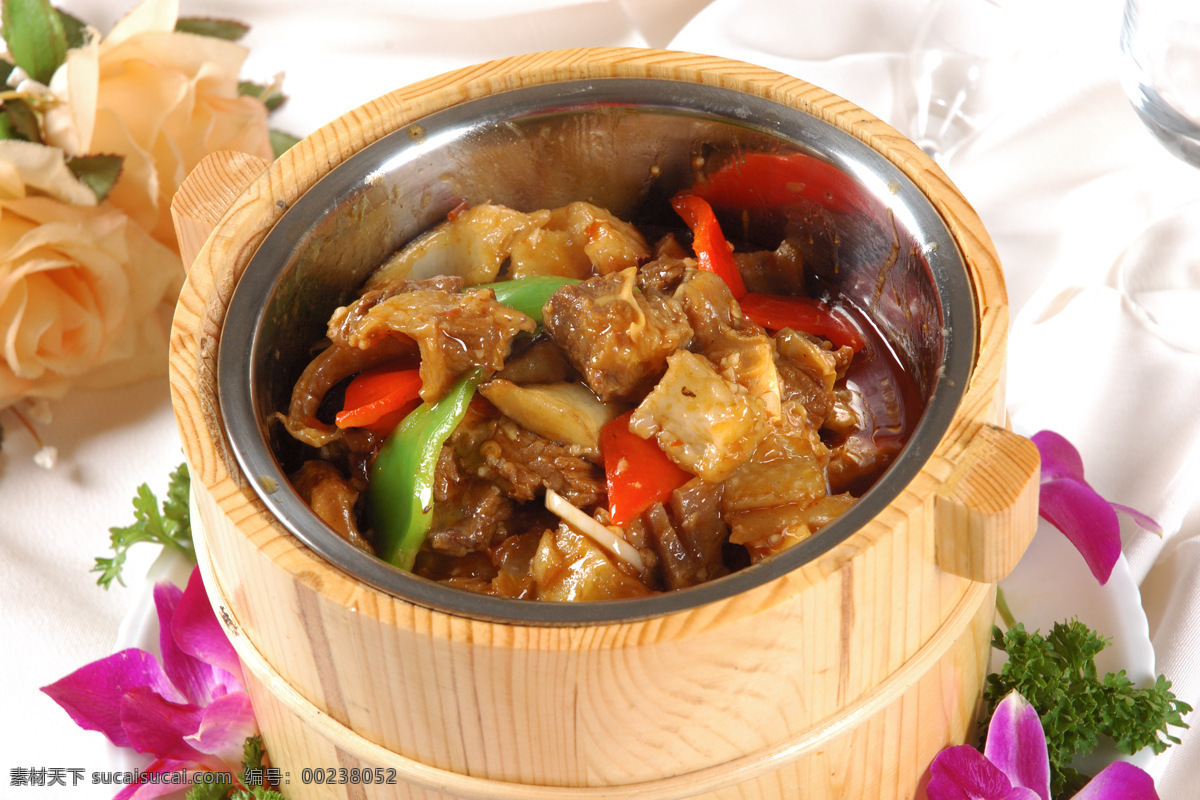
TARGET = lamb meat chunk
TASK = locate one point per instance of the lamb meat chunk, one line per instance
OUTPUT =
(856, 462)
(333, 498)
(687, 535)
(617, 338)
(523, 464)
(669, 247)
(788, 466)
(781, 495)
(540, 361)
(741, 349)
(808, 368)
(576, 241)
(778, 271)
(707, 425)
(455, 331)
(663, 275)
(768, 531)
(469, 514)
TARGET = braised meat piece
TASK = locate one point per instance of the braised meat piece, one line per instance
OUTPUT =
(687, 534)
(808, 368)
(778, 271)
(330, 367)
(523, 465)
(333, 498)
(663, 275)
(704, 423)
(741, 350)
(771, 501)
(455, 331)
(469, 514)
(576, 241)
(616, 337)
(570, 566)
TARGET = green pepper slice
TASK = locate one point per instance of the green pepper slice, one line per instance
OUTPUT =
(400, 503)
(528, 295)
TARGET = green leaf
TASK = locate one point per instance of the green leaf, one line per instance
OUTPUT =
(74, 28)
(227, 29)
(281, 142)
(36, 37)
(208, 791)
(172, 528)
(24, 120)
(253, 753)
(98, 173)
(257, 793)
(7, 131)
(270, 96)
(6, 68)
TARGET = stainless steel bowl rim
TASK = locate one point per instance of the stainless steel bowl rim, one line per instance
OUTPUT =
(244, 315)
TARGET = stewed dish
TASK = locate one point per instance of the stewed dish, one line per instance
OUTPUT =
(561, 404)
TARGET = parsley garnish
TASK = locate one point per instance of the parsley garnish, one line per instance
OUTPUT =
(252, 785)
(1057, 674)
(172, 528)
(253, 766)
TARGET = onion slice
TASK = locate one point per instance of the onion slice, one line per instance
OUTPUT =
(592, 529)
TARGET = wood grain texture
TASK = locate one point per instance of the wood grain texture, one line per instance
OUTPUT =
(840, 679)
(207, 193)
(888, 736)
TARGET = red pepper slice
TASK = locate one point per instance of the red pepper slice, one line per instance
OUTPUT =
(377, 399)
(709, 243)
(765, 181)
(776, 312)
(638, 472)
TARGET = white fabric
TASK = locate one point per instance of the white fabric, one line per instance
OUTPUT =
(1064, 180)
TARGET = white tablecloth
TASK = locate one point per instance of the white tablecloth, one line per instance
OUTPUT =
(1064, 179)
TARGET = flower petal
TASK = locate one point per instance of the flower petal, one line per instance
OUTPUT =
(963, 773)
(1144, 521)
(197, 632)
(1120, 780)
(1086, 519)
(1016, 744)
(191, 676)
(146, 789)
(92, 694)
(157, 726)
(227, 723)
(1060, 459)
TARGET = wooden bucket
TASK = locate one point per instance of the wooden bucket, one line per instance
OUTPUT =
(839, 677)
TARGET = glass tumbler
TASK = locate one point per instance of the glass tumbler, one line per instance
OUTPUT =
(1161, 43)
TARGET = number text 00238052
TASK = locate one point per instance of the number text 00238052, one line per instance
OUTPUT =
(342, 775)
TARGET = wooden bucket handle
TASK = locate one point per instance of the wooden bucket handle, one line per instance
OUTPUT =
(207, 193)
(985, 512)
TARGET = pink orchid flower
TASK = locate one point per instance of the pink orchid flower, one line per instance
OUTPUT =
(190, 711)
(1015, 765)
(1070, 504)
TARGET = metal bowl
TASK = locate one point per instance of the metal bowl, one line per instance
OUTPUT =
(625, 144)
